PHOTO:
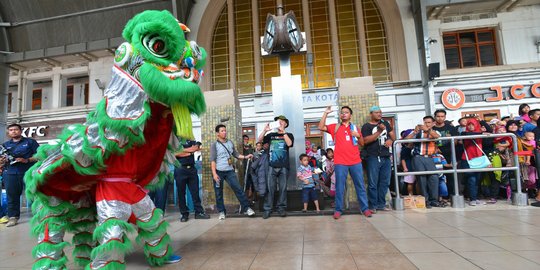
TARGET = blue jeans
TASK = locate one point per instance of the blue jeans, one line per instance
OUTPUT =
(159, 196)
(378, 171)
(472, 181)
(188, 177)
(14, 189)
(230, 177)
(2, 213)
(279, 174)
(355, 170)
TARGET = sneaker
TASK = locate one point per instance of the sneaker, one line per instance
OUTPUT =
(492, 201)
(479, 202)
(250, 212)
(337, 215)
(12, 222)
(184, 218)
(202, 216)
(472, 203)
(282, 213)
(368, 213)
(173, 259)
(4, 220)
(304, 210)
(266, 214)
(221, 215)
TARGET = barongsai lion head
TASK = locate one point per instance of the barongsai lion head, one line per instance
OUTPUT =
(168, 66)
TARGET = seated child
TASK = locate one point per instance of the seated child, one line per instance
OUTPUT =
(304, 173)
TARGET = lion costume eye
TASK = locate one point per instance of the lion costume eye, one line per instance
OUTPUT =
(155, 45)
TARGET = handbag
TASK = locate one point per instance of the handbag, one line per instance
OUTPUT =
(478, 162)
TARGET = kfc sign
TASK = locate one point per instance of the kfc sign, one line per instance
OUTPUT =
(39, 131)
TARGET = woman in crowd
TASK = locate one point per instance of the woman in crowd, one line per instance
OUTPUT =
(472, 149)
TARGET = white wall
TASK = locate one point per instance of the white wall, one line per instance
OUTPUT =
(516, 34)
(100, 69)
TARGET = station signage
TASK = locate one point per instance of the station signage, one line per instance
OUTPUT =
(454, 98)
(515, 92)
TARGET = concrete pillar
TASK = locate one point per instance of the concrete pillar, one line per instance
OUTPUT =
(57, 92)
(359, 94)
(222, 107)
(4, 88)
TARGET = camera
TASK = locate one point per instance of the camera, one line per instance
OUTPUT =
(4, 154)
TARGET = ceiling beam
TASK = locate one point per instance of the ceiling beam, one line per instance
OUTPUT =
(502, 7)
(441, 12)
(513, 5)
(432, 3)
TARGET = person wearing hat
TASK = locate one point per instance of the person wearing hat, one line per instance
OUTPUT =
(378, 138)
(279, 142)
(346, 158)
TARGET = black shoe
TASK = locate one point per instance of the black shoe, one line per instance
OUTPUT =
(282, 213)
(266, 214)
(184, 219)
(428, 206)
(202, 216)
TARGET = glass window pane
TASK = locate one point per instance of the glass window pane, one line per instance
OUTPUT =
(467, 38)
(485, 36)
(468, 55)
(449, 39)
(452, 58)
(487, 55)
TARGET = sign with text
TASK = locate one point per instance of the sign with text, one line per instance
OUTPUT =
(309, 100)
(454, 98)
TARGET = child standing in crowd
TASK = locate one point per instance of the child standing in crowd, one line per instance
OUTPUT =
(462, 125)
(524, 112)
(406, 161)
(528, 171)
(304, 173)
(329, 169)
(441, 164)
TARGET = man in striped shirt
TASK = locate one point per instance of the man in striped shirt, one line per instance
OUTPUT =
(422, 160)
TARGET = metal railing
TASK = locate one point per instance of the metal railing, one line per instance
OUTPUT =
(518, 198)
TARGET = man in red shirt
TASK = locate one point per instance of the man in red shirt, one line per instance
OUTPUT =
(346, 158)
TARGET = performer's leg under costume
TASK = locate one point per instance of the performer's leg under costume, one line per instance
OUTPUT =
(118, 202)
(82, 225)
(49, 225)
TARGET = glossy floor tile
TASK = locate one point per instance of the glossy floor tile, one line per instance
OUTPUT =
(487, 237)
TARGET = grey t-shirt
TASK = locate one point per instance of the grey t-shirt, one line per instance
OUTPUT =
(220, 153)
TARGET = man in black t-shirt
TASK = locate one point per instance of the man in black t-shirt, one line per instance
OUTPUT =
(378, 138)
(446, 129)
(279, 143)
(186, 175)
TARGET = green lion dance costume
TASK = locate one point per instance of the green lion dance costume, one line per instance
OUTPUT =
(94, 182)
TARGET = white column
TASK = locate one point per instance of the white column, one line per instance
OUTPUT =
(57, 91)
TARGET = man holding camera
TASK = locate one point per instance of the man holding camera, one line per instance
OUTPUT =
(378, 138)
(186, 175)
(422, 160)
(222, 152)
(279, 143)
(22, 150)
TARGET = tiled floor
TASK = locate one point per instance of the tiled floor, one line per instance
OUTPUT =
(485, 237)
